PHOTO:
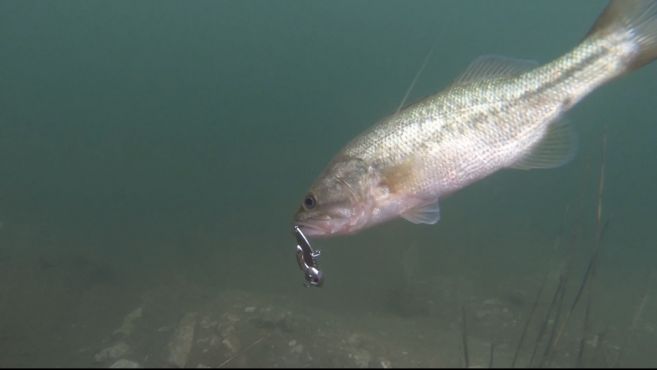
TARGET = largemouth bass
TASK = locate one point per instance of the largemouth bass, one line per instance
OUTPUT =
(501, 113)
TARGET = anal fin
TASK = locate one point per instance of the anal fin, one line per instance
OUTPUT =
(558, 147)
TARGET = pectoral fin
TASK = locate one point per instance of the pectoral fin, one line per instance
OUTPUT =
(427, 214)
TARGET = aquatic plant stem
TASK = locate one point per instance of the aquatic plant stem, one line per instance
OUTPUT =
(464, 338)
(635, 321)
(491, 356)
(585, 325)
(600, 227)
(544, 325)
(417, 76)
(551, 344)
(529, 319)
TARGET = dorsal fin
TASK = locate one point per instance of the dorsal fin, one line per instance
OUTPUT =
(491, 66)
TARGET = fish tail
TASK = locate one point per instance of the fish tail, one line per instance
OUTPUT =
(638, 20)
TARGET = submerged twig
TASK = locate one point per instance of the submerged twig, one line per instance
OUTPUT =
(240, 353)
(492, 355)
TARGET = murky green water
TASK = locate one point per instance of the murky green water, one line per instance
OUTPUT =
(152, 154)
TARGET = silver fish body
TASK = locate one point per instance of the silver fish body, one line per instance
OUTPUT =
(501, 113)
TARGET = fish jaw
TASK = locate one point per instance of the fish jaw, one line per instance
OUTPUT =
(340, 218)
(326, 226)
(322, 229)
(340, 199)
(378, 207)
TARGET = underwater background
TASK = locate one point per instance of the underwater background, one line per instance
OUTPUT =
(152, 154)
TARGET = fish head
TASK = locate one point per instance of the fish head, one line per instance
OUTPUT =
(341, 199)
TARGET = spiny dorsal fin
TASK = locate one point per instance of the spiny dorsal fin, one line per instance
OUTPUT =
(427, 214)
(557, 148)
(491, 66)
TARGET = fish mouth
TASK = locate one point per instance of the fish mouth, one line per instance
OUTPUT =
(337, 222)
(325, 228)
(313, 229)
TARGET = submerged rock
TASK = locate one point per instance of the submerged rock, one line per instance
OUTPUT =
(125, 364)
(128, 325)
(361, 357)
(181, 342)
(113, 352)
(385, 364)
(207, 323)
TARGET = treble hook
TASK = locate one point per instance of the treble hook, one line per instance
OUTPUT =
(308, 260)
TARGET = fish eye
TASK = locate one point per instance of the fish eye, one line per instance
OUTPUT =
(309, 202)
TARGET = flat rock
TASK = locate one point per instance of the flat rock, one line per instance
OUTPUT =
(113, 352)
(181, 342)
(128, 325)
(124, 364)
